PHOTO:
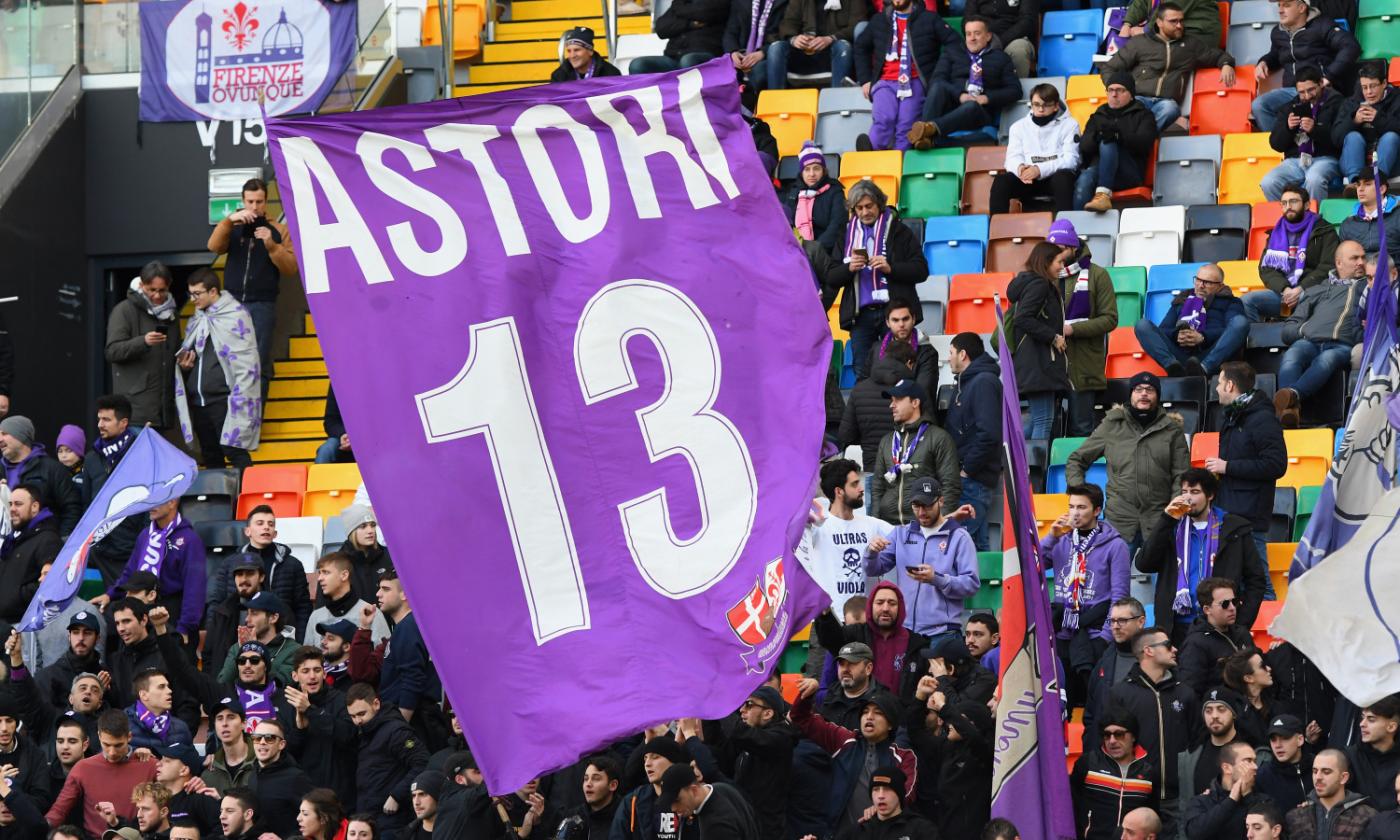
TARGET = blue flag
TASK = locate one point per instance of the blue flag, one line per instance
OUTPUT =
(150, 474)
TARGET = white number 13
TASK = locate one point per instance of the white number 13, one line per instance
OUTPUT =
(491, 397)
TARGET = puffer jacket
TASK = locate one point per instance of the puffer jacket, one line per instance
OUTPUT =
(929, 35)
(678, 26)
(1200, 658)
(1162, 68)
(1050, 147)
(1036, 316)
(1135, 126)
(143, 373)
(1368, 231)
(936, 455)
(1251, 445)
(1387, 118)
(1284, 139)
(866, 419)
(1328, 312)
(1356, 812)
(925, 364)
(1104, 792)
(1087, 349)
(1202, 17)
(812, 16)
(1168, 718)
(828, 209)
(974, 420)
(1319, 42)
(1144, 466)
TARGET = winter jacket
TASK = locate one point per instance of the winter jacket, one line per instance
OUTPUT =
(1036, 316)
(1202, 18)
(326, 749)
(1168, 718)
(1222, 308)
(828, 209)
(1133, 127)
(57, 492)
(565, 72)
(1299, 682)
(724, 815)
(929, 36)
(1368, 231)
(1144, 466)
(999, 82)
(221, 631)
(1161, 68)
(23, 557)
(678, 25)
(1287, 784)
(925, 365)
(1373, 774)
(1108, 575)
(1318, 260)
(906, 825)
(935, 455)
(279, 651)
(908, 267)
(254, 268)
(141, 372)
(937, 607)
(1355, 811)
(847, 750)
(54, 681)
(144, 736)
(1285, 139)
(896, 652)
(1104, 791)
(1008, 19)
(759, 761)
(1383, 826)
(126, 662)
(285, 577)
(740, 24)
(812, 17)
(1051, 147)
(27, 757)
(28, 822)
(221, 777)
(1387, 118)
(845, 711)
(1236, 560)
(974, 420)
(1202, 654)
(1319, 42)
(1252, 447)
(1087, 349)
(958, 773)
(1327, 313)
(866, 417)
(1213, 815)
(280, 786)
(365, 568)
(1113, 666)
(391, 756)
(182, 574)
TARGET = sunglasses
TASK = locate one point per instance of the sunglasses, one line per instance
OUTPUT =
(1229, 602)
(249, 660)
(266, 738)
(1165, 643)
(749, 704)
(1116, 734)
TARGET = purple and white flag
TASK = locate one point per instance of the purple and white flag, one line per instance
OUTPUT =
(236, 59)
(581, 362)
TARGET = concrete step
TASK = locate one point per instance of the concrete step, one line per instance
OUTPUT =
(300, 367)
(284, 409)
(287, 451)
(521, 51)
(547, 9)
(520, 71)
(292, 388)
(304, 347)
(292, 429)
(308, 326)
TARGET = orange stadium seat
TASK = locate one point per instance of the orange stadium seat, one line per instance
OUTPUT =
(1280, 558)
(1204, 445)
(970, 304)
(330, 488)
(1126, 356)
(884, 168)
(1268, 611)
(1048, 507)
(983, 164)
(1217, 108)
(792, 116)
(280, 486)
(1262, 218)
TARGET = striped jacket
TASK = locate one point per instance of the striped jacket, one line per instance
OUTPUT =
(1104, 792)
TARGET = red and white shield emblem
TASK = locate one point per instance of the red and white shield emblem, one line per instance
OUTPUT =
(751, 618)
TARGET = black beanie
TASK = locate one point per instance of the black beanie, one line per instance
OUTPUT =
(1124, 79)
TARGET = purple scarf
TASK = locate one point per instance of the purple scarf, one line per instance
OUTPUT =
(159, 724)
(974, 73)
(259, 704)
(1076, 574)
(900, 454)
(758, 22)
(1302, 138)
(156, 544)
(873, 239)
(111, 451)
(1288, 246)
(1078, 307)
(899, 50)
(1193, 313)
(1182, 603)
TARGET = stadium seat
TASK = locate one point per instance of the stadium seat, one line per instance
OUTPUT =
(1223, 8)
(1216, 232)
(1060, 450)
(467, 20)
(792, 116)
(1068, 41)
(983, 164)
(1268, 611)
(1378, 28)
(334, 531)
(1126, 356)
(971, 307)
(956, 245)
(1262, 218)
(988, 596)
(1336, 210)
(1187, 168)
(1037, 460)
(847, 378)
(1083, 96)
(933, 300)
(1100, 229)
(1048, 507)
(1130, 285)
(1309, 456)
(303, 535)
(1204, 445)
(1139, 196)
(1217, 108)
(220, 538)
(211, 496)
(1245, 160)
(884, 168)
(635, 46)
(1186, 396)
(330, 488)
(1285, 506)
(1008, 117)
(1163, 282)
(280, 486)
(843, 114)
(1251, 24)
(1012, 236)
(1242, 276)
(1395, 71)
(1150, 236)
(790, 169)
(1307, 503)
(915, 226)
(1280, 558)
(1264, 347)
(931, 184)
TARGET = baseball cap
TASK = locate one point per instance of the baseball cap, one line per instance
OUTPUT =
(926, 491)
(677, 778)
(341, 627)
(950, 647)
(182, 752)
(85, 618)
(905, 388)
(126, 833)
(1285, 725)
(856, 652)
(267, 602)
(231, 703)
(247, 562)
(141, 582)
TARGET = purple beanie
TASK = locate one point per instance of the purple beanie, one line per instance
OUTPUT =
(1062, 233)
(72, 437)
(810, 153)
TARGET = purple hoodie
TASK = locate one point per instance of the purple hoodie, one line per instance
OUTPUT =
(1109, 573)
(182, 574)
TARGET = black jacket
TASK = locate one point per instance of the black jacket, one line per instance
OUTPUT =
(565, 72)
(812, 16)
(759, 761)
(866, 418)
(54, 682)
(929, 35)
(1285, 139)
(391, 756)
(1008, 20)
(906, 825)
(1036, 316)
(726, 815)
(280, 786)
(1251, 445)
(1236, 559)
(1287, 784)
(958, 772)
(250, 274)
(1373, 774)
(908, 268)
(365, 568)
(1387, 118)
(285, 578)
(678, 26)
(1202, 655)
(38, 544)
(1321, 43)
(740, 24)
(1101, 681)
(33, 767)
(29, 821)
(202, 809)
(1213, 815)
(828, 209)
(833, 634)
(999, 82)
(326, 749)
(57, 492)
(1104, 793)
(1299, 682)
(1131, 126)
(221, 623)
(1383, 826)
(1368, 231)
(1168, 716)
(974, 419)
(925, 367)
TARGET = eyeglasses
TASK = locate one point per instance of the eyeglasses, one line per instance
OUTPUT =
(249, 660)
(266, 738)
(1204, 282)
(1116, 734)
(1229, 602)
(1119, 622)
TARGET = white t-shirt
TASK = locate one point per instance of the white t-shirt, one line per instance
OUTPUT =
(837, 558)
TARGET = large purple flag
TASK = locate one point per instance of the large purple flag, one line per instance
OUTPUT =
(581, 361)
(1029, 784)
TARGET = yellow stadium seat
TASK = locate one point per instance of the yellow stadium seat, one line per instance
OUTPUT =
(1280, 558)
(1048, 508)
(1084, 95)
(791, 114)
(330, 488)
(1242, 276)
(1309, 456)
(1245, 160)
(884, 168)
(468, 18)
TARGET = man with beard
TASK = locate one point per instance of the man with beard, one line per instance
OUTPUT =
(227, 615)
(54, 682)
(319, 732)
(176, 766)
(1220, 710)
(277, 780)
(982, 635)
(427, 789)
(337, 600)
(254, 688)
(1299, 253)
(82, 705)
(264, 622)
(917, 450)
(285, 574)
(49, 644)
(33, 542)
(893, 648)
(152, 802)
(1219, 813)
(1125, 619)
(391, 755)
(841, 538)
(334, 642)
(755, 750)
(114, 435)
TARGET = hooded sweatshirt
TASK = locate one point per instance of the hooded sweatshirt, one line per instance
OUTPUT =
(853, 758)
(948, 549)
(1051, 147)
(896, 652)
(1107, 573)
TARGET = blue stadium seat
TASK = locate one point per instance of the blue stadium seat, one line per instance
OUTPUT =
(1162, 282)
(1068, 41)
(956, 245)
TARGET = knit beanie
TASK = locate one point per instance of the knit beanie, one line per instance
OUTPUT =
(72, 437)
(19, 428)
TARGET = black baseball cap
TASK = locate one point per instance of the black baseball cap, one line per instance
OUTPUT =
(1285, 725)
(341, 627)
(141, 582)
(85, 618)
(267, 602)
(926, 491)
(677, 778)
(856, 652)
(247, 562)
(906, 388)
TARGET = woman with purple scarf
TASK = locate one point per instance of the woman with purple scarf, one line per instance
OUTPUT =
(1299, 254)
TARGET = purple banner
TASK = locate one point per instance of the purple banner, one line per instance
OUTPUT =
(235, 59)
(581, 360)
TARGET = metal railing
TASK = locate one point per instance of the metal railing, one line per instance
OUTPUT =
(38, 46)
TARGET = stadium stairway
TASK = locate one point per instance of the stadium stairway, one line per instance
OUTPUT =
(525, 49)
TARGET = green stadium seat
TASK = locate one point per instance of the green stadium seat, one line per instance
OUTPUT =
(1335, 210)
(1130, 285)
(1307, 503)
(1378, 28)
(931, 184)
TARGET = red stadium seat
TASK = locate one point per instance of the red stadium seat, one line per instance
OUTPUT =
(1139, 196)
(1221, 109)
(1262, 219)
(1126, 356)
(1011, 236)
(970, 304)
(983, 164)
(279, 486)
(1223, 9)
(1204, 445)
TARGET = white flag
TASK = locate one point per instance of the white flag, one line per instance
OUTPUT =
(1344, 614)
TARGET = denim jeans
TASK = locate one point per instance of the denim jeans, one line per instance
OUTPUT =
(1162, 346)
(944, 110)
(978, 495)
(1308, 365)
(1316, 179)
(1164, 110)
(1261, 545)
(870, 322)
(1042, 415)
(665, 64)
(1267, 106)
(264, 316)
(1354, 154)
(781, 52)
(1261, 304)
(1112, 171)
